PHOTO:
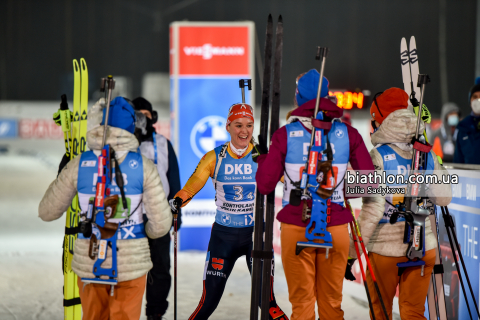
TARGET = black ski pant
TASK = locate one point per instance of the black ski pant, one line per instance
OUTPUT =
(225, 247)
(158, 278)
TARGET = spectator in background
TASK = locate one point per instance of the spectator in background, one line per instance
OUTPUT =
(159, 149)
(468, 131)
(444, 138)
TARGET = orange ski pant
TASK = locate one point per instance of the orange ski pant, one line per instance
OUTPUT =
(413, 288)
(125, 304)
(311, 277)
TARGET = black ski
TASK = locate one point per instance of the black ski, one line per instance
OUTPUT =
(267, 283)
(257, 252)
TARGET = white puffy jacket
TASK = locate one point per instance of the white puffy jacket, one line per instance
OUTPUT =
(387, 239)
(133, 255)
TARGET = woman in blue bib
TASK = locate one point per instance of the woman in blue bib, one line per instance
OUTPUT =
(232, 169)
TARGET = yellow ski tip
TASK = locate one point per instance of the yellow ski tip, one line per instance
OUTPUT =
(75, 65)
(83, 63)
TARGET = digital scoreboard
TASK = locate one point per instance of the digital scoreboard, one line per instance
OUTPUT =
(348, 99)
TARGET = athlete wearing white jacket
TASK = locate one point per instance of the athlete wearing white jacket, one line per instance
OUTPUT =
(133, 254)
(387, 239)
(395, 129)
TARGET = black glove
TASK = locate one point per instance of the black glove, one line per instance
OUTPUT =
(258, 149)
(175, 204)
(63, 163)
(348, 271)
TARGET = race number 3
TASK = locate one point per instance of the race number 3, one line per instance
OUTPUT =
(239, 192)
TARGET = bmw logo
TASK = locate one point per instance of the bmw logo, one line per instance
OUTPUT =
(133, 164)
(207, 134)
(339, 133)
(226, 218)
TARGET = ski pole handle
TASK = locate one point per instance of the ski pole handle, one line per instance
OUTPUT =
(64, 104)
(65, 115)
(242, 83)
(322, 52)
(423, 79)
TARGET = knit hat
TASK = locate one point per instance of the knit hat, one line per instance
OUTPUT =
(141, 103)
(239, 110)
(307, 87)
(474, 89)
(121, 115)
(388, 101)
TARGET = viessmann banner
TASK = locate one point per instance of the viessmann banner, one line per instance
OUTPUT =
(206, 61)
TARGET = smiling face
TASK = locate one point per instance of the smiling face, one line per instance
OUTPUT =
(241, 131)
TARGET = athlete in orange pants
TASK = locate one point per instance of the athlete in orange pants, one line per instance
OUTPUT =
(395, 126)
(311, 277)
(125, 304)
(413, 286)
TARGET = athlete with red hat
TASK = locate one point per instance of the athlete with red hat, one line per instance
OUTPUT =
(395, 125)
(232, 167)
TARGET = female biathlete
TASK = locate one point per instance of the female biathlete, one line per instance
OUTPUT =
(232, 170)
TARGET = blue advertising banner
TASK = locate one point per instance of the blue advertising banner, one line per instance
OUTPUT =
(207, 61)
(8, 128)
(465, 209)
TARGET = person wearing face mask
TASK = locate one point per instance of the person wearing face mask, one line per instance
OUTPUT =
(232, 167)
(159, 150)
(312, 278)
(468, 131)
(444, 138)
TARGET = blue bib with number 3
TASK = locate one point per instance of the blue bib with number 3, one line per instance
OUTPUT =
(235, 191)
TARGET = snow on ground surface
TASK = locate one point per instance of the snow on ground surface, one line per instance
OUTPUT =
(31, 279)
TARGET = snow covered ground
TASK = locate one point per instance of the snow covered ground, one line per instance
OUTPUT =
(31, 277)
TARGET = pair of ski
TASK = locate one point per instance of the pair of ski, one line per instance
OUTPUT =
(410, 72)
(263, 250)
(75, 142)
(436, 296)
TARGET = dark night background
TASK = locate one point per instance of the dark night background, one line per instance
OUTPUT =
(39, 39)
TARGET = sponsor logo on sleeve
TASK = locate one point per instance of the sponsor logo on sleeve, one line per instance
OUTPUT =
(91, 163)
(339, 133)
(295, 134)
(389, 157)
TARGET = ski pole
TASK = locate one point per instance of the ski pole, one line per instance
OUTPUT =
(423, 79)
(242, 83)
(450, 225)
(65, 119)
(175, 215)
(364, 278)
(322, 53)
(367, 259)
(108, 97)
